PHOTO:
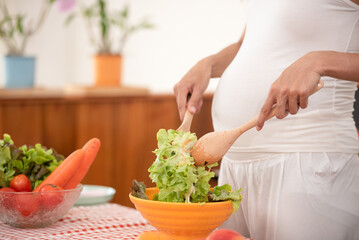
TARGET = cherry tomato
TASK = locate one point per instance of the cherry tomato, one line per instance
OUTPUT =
(21, 183)
(7, 189)
(7, 197)
(51, 197)
(27, 204)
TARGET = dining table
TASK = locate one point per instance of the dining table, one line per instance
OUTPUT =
(105, 221)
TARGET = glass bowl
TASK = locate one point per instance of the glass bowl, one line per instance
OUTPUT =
(182, 221)
(36, 209)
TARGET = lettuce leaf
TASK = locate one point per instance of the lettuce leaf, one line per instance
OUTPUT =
(174, 172)
(178, 178)
(139, 189)
(36, 162)
(225, 193)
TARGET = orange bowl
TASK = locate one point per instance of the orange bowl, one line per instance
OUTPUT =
(182, 221)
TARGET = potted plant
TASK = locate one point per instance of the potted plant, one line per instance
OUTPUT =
(15, 32)
(108, 32)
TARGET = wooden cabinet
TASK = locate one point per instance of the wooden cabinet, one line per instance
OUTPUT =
(126, 124)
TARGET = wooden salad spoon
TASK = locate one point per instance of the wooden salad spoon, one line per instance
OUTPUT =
(186, 123)
(211, 147)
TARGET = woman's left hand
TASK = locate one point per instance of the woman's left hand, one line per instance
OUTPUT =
(292, 89)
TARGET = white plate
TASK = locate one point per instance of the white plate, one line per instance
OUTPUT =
(94, 194)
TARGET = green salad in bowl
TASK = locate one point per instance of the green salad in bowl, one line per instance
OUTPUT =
(178, 178)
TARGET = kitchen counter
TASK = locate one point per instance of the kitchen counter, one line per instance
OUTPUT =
(72, 92)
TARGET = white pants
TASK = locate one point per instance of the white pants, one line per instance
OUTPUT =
(289, 196)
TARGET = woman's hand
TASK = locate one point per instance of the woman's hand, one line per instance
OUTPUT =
(196, 80)
(193, 84)
(292, 89)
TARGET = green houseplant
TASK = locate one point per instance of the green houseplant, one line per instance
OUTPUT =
(108, 32)
(15, 32)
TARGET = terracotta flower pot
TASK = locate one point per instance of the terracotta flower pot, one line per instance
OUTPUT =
(108, 70)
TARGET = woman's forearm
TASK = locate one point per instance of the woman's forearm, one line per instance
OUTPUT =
(223, 58)
(338, 65)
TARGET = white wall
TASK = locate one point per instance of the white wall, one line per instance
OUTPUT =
(185, 32)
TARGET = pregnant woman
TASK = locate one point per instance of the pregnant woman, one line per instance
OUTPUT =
(300, 172)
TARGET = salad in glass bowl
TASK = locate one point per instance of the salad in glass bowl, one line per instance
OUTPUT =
(39, 186)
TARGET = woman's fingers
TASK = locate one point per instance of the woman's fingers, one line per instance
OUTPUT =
(193, 84)
(281, 105)
(291, 90)
(195, 102)
(293, 102)
(181, 94)
(265, 112)
(188, 98)
(284, 100)
(303, 99)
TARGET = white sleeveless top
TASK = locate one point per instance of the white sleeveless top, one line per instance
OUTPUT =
(278, 33)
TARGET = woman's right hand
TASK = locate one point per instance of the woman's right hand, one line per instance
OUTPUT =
(193, 84)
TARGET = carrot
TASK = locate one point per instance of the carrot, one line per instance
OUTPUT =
(91, 148)
(64, 172)
(184, 144)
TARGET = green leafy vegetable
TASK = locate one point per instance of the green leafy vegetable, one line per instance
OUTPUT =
(35, 162)
(225, 193)
(138, 189)
(178, 178)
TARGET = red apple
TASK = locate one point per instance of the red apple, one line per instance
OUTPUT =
(225, 234)
(153, 235)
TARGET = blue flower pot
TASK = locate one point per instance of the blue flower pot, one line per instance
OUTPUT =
(19, 72)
